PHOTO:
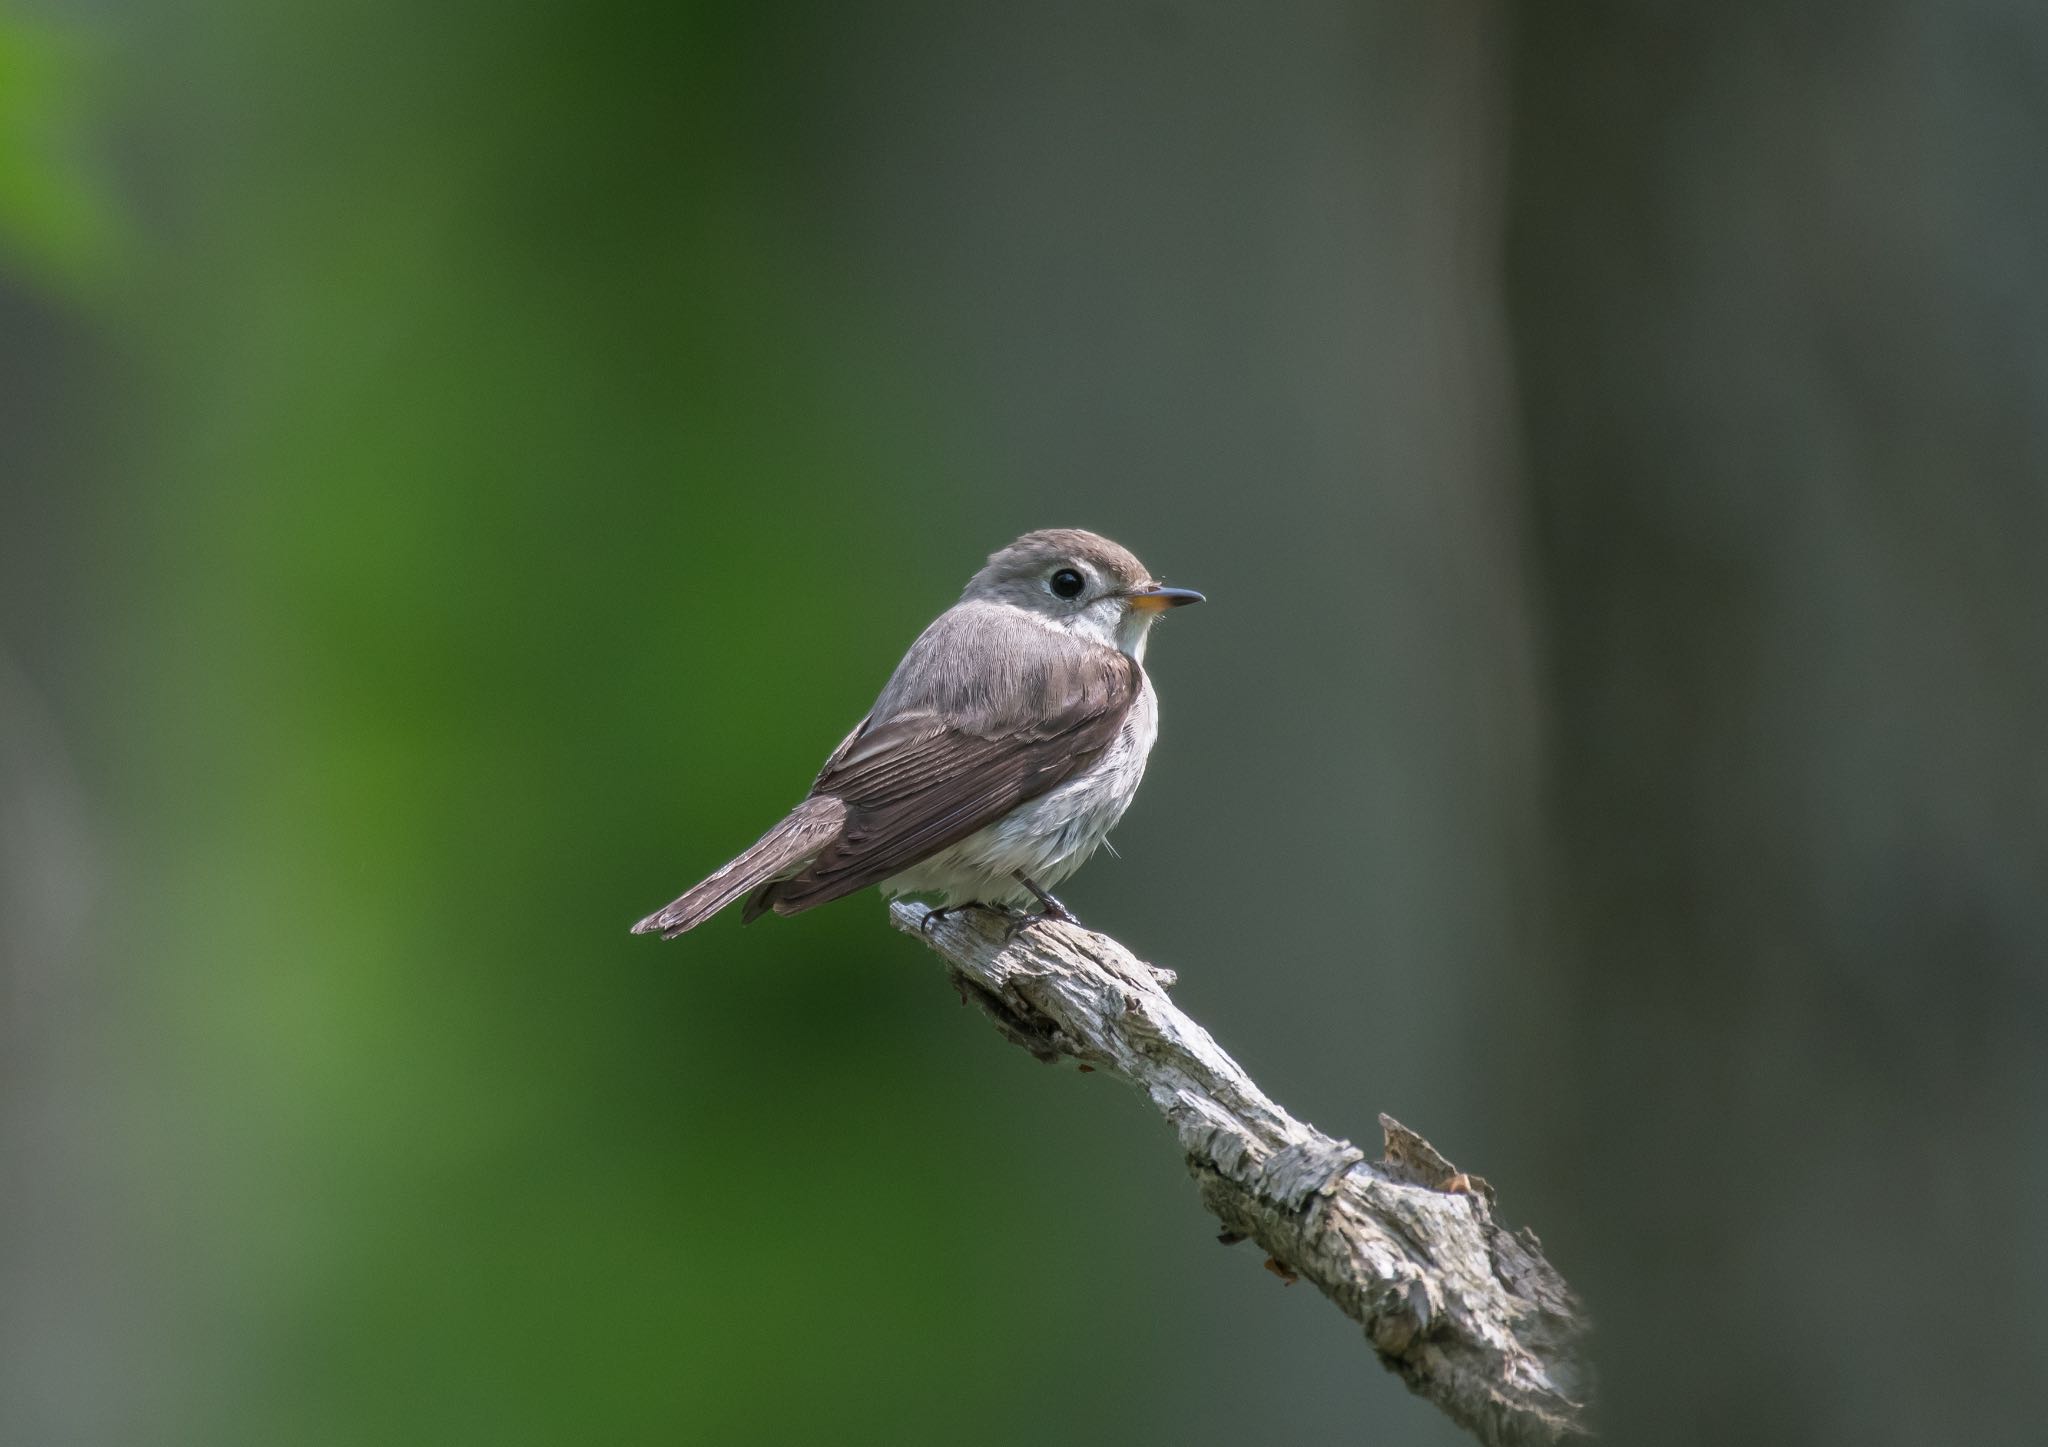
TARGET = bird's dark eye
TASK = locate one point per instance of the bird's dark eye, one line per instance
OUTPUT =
(1067, 583)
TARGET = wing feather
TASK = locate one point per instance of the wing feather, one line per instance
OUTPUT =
(985, 713)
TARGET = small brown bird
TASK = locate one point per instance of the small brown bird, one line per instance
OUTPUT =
(1006, 746)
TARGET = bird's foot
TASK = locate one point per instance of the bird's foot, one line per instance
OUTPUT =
(1048, 907)
(1020, 923)
(932, 916)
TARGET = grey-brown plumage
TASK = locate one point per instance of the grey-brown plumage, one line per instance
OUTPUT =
(1005, 746)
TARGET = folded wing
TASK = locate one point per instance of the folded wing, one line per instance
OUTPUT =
(983, 714)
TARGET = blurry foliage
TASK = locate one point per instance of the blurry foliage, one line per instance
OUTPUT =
(491, 586)
(58, 217)
(497, 451)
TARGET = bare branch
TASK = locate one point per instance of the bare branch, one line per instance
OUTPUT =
(1469, 1314)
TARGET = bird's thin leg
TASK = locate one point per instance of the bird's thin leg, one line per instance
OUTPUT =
(1049, 908)
(1053, 909)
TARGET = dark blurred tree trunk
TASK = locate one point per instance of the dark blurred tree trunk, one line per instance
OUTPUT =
(57, 1276)
(1774, 280)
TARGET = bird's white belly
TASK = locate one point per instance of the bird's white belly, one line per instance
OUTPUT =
(1046, 838)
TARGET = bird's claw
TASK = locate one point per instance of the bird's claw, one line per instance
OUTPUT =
(1023, 922)
(1016, 921)
(932, 916)
(1048, 908)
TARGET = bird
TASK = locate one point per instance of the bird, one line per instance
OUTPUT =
(998, 757)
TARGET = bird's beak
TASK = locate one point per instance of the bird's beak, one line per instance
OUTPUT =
(1155, 599)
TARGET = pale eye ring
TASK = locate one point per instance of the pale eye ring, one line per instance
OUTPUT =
(1066, 583)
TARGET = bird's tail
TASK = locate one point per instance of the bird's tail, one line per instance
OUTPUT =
(810, 827)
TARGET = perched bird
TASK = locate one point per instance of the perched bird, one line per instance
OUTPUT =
(1005, 747)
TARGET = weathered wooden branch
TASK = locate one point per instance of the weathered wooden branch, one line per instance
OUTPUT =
(1469, 1314)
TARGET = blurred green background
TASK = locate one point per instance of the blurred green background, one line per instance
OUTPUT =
(462, 467)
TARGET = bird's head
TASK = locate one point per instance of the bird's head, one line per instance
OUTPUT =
(1080, 582)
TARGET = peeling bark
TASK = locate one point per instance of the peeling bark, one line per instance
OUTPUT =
(1469, 1314)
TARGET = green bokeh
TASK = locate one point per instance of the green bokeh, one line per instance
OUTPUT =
(492, 587)
(58, 219)
(462, 467)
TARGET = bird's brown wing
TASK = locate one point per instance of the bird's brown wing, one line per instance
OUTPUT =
(937, 770)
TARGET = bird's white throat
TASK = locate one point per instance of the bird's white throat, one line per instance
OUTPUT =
(1108, 621)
